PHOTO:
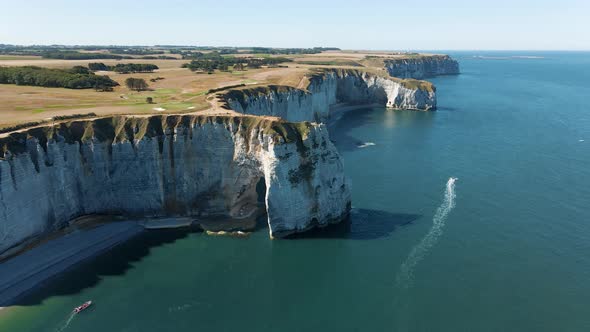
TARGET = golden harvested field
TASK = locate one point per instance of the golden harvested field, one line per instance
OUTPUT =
(180, 91)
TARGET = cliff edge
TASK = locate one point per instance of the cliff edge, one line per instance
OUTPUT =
(198, 166)
(327, 87)
(274, 157)
(422, 66)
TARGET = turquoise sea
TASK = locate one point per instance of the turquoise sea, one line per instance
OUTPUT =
(505, 247)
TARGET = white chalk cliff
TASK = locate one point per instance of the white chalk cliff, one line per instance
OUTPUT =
(170, 166)
(330, 87)
(195, 166)
(422, 67)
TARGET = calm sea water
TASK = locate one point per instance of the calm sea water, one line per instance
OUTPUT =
(504, 248)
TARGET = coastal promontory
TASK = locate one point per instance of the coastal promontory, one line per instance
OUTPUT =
(260, 147)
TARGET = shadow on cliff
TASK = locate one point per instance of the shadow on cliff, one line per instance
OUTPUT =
(362, 224)
(115, 261)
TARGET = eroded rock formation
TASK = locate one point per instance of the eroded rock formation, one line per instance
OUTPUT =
(329, 87)
(170, 166)
(196, 166)
(422, 66)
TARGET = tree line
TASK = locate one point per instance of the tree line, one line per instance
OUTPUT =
(145, 52)
(209, 62)
(314, 50)
(134, 51)
(124, 68)
(75, 55)
(75, 78)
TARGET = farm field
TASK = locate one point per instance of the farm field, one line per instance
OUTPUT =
(173, 89)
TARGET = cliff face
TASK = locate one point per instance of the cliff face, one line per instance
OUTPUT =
(288, 103)
(196, 166)
(422, 67)
(170, 166)
(330, 87)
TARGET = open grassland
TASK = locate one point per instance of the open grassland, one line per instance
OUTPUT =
(180, 90)
(177, 91)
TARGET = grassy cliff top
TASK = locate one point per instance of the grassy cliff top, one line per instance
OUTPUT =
(413, 84)
(419, 57)
(173, 89)
(119, 129)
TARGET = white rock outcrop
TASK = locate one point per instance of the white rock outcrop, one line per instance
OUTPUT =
(422, 67)
(331, 87)
(170, 166)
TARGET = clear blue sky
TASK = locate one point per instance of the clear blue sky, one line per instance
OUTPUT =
(360, 24)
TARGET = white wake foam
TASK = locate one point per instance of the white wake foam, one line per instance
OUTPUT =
(405, 276)
(66, 322)
(364, 145)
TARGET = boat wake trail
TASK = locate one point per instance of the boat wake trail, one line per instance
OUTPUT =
(365, 144)
(65, 323)
(405, 275)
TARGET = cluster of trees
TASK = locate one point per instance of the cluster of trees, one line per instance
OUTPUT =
(137, 84)
(134, 68)
(75, 55)
(124, 68)
(209, 62)
(215, 55)
(193, 53)
(314, 50)
(159, 57)
(259, 62)
(76, 78)
(6, 49)
(134, 51)
(98, 66)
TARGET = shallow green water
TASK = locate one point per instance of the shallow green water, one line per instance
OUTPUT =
(512, 255)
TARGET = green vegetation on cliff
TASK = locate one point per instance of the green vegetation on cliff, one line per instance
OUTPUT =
(413, 84)
(119, 129)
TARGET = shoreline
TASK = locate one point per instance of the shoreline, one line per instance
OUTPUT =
(28, 269)
(23, 273)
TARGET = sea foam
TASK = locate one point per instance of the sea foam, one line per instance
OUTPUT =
(405, 276)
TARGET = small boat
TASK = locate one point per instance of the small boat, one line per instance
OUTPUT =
(82, 307)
